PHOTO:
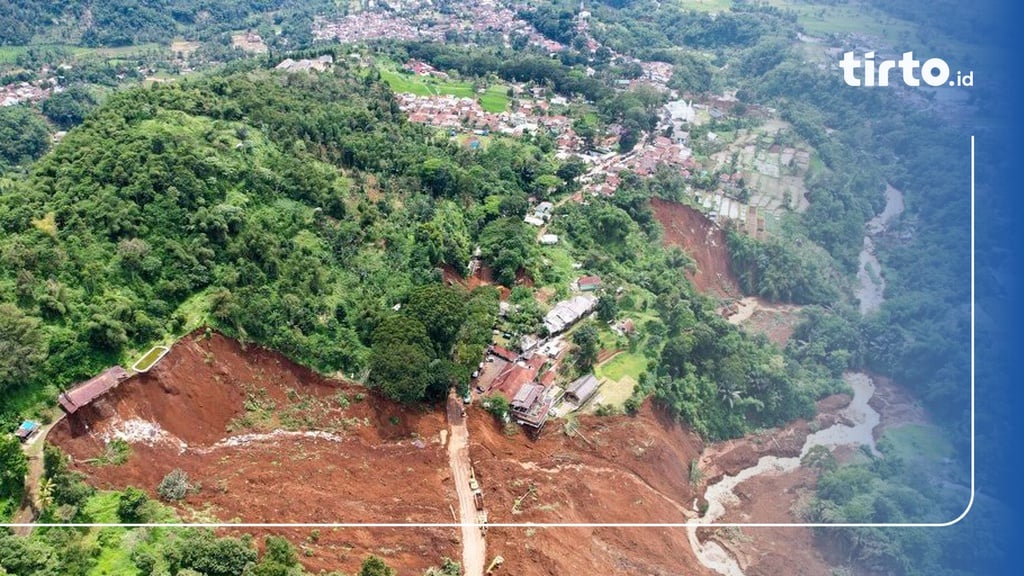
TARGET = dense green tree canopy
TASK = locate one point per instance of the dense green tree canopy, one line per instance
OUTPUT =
(22, 346)
(24, 135)
(507, 245)
(68, 108)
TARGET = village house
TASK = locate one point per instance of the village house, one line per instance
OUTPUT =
(543, 210)
(530, 406)
(568, 312)
(504, 353)
(320, 64)
(582, 389)
(88, 391)
(588, 283)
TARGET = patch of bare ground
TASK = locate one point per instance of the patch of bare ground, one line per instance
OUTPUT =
(266, 440)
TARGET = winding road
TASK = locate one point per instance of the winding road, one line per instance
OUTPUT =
(474, 547)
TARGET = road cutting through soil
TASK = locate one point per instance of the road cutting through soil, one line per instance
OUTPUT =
(474, 547)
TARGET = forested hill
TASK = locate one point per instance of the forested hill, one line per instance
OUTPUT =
(127, 22)
(293, 209)
(303, 213)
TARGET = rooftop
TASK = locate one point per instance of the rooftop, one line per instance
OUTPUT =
(531, 406)
(582, 388)
(86, 392)
(512, 380)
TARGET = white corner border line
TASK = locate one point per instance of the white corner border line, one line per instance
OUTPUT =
(691, 524)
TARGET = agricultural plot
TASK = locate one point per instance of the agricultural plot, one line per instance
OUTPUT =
(493, 99)
(773, 165)
(822, 18)
(706, 5)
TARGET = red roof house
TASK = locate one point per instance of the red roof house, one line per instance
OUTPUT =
(88, 391)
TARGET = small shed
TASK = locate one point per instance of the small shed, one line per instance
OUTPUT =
(582, 389)
(589, 283)
(624, 327)
(27, 429)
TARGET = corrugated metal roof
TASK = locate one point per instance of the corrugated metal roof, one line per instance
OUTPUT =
(583, 387)
(91, 389)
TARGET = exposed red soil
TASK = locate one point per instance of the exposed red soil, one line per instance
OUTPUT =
(704, 242)
(774, 551)
(777, 326)
(382, 463)
(544, 295)
(770, 497)
(483, 276)
(774, 320)
(625, 470)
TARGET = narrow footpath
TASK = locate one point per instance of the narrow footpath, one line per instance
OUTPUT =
(474, 548)
(31, 504)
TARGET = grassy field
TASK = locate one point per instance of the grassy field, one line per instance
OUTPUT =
(918, 445)
(119, 52)
(619, 377)
(624, 365)
(494, 99)
(9, 54)
(853, 18)
(557, 271)
(615, 392)
(706, 5)
(115, 555)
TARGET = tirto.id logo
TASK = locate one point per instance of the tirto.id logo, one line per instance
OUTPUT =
(933, 72)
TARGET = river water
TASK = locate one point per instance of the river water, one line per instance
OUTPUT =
(855, 427)
(863, 418)
(870, 287)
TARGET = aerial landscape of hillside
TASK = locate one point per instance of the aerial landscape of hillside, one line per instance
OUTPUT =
(411, 287)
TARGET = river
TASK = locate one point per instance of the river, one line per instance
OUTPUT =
(870, 287)
(856, 424)
(859, 413)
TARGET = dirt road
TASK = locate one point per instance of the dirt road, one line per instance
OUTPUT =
(474, 548)
(30, 503)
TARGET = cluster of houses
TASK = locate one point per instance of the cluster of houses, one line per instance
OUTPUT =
(373, 25)
(462, 114)
(423, 69)
(421, 20)
(27, 92)
(446, 111)
(528, 377)
(321, 64)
